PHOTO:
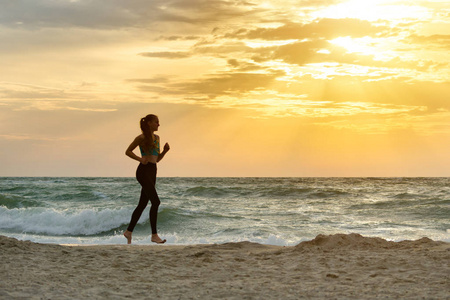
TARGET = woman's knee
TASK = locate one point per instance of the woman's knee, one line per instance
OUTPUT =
(155, 202)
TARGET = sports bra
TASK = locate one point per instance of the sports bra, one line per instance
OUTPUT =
(154, 150)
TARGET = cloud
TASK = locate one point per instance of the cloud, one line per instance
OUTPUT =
(178, 38)
(61, 105)
(233, 83)
(322, 28)
(316, 3)
(171, 55)
(305, 95)
(243, 66)
(22, 97)
(309, 44)
(11, 92)
(112, 14)
(299, 53)
(322, 51)
(437, 40)
(24, 137)
(156, 79)
(406, 118)
(394, 91)
(240, 67)
(92, 14)
(55, 120)
(219, 47)
(270, 104)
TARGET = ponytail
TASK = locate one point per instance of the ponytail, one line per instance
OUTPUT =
(149, 138)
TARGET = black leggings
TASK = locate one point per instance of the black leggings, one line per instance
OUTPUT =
(146, 175)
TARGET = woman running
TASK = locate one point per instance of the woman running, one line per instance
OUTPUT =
(148, 143)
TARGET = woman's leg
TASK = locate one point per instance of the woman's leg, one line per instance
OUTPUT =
(146, 175)
(143, 201)
(148, 189)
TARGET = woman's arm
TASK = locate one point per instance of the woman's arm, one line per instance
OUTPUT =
(161, 155)
(129, 152)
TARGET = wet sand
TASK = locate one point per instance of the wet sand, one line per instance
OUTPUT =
(328, 267)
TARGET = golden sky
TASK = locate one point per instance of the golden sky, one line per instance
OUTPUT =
(242, 88)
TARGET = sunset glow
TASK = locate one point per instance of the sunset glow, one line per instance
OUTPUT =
(242, 88)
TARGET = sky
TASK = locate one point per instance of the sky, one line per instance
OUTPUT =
(282, 88)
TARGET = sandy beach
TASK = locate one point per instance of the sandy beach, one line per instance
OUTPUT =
(328, 267)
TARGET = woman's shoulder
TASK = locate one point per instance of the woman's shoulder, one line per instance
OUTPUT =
(140, 138)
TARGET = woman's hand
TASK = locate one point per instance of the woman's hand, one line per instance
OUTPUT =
(161, 155)
(166, 147)
(144, 160)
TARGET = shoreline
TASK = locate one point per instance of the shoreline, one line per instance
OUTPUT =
(340, 266)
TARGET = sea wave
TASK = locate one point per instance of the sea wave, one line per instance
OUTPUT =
(13, 201)
(260, 192)
(49, 221)
(216, 210)
(210, 192)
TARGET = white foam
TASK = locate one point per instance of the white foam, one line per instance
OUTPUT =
(64, 222)
(68, 240)
(176, 239)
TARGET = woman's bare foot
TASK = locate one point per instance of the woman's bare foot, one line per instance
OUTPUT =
(127, 234)
(157, 239)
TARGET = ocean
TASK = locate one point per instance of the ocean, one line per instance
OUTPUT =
(276, 211)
